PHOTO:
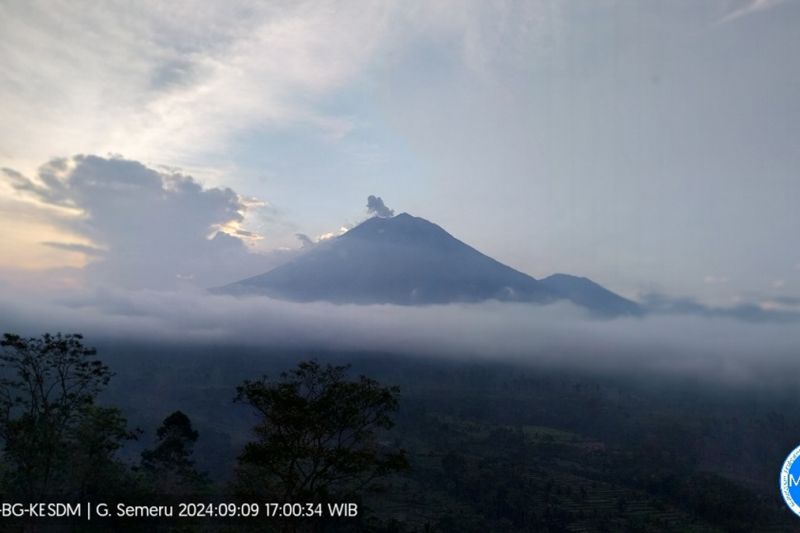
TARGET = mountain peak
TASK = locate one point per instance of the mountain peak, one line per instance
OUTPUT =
(402, 228)
(407, 260)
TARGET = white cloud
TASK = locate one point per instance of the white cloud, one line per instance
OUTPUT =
(750, 7)
(147, 228)
(186, 85)
(331, 234)
(557, 334)
(171, 82)
(175, 83)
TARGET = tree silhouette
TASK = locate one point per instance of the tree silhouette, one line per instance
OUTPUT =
(49, 424)
(169, 465)
(317, 435)
(91, 462)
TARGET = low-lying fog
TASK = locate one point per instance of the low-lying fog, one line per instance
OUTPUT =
(718, 348)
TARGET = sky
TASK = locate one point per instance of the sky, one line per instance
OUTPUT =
(649, 145)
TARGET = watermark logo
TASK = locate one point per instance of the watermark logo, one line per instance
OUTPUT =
(790, 481)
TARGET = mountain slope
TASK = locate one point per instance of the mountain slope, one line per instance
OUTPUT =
(587, 293)
(401, 260)
(407, 260)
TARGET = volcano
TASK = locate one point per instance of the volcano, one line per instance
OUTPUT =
(407, 260)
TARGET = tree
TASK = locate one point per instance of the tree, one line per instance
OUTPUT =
(91, 455)
(317, 434)
(169, 465)
(47, 393)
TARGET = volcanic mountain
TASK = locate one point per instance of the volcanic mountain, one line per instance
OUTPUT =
(406, 260)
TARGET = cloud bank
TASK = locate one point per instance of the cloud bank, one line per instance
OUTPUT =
(558, 334)
(145, 228)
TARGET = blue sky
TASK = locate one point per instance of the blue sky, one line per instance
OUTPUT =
(649, 145)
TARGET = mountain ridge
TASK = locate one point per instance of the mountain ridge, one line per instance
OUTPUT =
(407, 260)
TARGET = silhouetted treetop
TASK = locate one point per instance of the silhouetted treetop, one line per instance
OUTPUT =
(317, 433)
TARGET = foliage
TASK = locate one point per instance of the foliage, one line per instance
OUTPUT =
(317, 434)
(48, 422)
(169, 467)
(93, 462)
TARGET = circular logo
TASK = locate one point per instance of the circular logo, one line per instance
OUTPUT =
(790, 481)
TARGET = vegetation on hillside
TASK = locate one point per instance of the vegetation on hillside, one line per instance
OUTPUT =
(466, 448)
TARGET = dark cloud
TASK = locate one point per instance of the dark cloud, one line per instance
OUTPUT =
(156, 229)
(304, 239)
(49, 189)
(376, 206)
(245, 233)
(74, 247)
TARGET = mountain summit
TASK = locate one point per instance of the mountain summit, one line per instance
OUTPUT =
(407, 260)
